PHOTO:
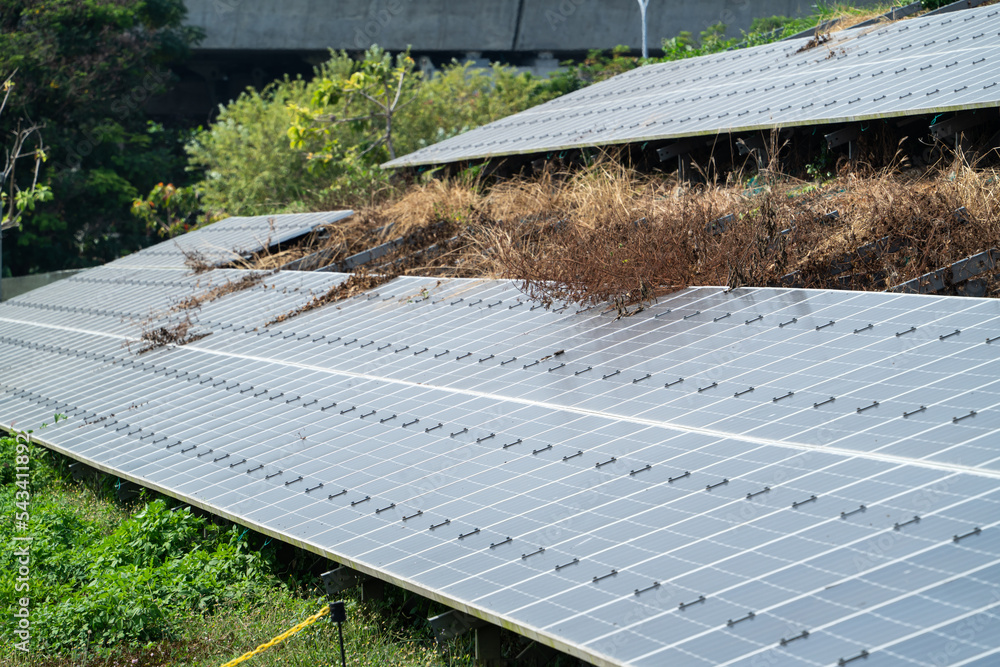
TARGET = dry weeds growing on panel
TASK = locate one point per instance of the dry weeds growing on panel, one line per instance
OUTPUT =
(609, 235)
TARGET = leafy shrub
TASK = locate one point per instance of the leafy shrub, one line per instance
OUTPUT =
(312, 145)
(85, 70)
(107, 584)
(248, 166)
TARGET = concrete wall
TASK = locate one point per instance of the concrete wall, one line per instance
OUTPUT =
(308, 25)
(586, 24)
(468, 25)
(12, 287)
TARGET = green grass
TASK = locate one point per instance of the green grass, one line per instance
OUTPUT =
(145, 583)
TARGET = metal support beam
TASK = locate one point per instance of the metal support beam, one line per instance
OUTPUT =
(81, 472)
(681, 148)
(959, 123)
(536, 655)
(753, 145)
(372, 589)
(846, 135)
(453, 624)
(684, 168)
(126, 490)
(488, 646)
(340, 579)
(719, 225)
(950, 276)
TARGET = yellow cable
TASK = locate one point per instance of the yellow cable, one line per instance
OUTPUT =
(280, 638)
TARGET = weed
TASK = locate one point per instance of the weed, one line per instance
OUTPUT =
(246, 281)
(196, 261)
(154, 337)
(357, 283)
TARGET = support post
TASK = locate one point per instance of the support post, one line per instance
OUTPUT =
(680, 150)
(342, 578)
(453, 624)
(847, 135)
(954, 126)
(488, 646)
(536, 655)
(339, 579)
(372, 589)
(753, 145)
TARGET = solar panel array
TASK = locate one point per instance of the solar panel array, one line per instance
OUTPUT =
(229, 240)
(758, 476)
(919, 66)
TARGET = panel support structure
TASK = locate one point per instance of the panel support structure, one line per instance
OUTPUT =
(453, 624)
(488, 646)
(847, 135)
(957, 124)
(536, 655)
(342, 578)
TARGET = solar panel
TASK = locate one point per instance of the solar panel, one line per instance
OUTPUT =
(229, 240)
(919, 66)
(755, 476)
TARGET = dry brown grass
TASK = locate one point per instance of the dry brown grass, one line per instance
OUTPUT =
(245, 282)
(607, 234)
(154, 337)
(357, 283)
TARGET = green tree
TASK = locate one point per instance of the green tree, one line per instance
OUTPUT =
(86, 69)
(20, 195)
(246, 162)
(317, 145)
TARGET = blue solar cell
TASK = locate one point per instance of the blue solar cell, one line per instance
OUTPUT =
(589, 501)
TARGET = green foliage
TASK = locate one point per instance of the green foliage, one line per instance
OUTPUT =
(318, 145)
(20, 193)
(349, 124)
(135, 584)
(460, 97)
(247, 164)
(934, 4)
(106, 583)
(85, 70)
(366, 96)
(769, 23)
(167, 209)
(597, 66)
(821, 169)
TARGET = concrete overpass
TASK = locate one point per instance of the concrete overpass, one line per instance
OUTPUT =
(446, 26)
(252, 42)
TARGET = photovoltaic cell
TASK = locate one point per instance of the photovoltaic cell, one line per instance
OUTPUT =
(828, 479)
(934, 64)
(229, 240)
